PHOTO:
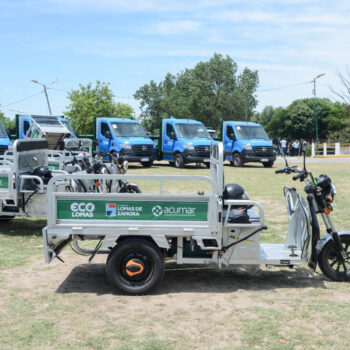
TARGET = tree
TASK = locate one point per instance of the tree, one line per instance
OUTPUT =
(265, 116)
(210, 92)
(88, 102)
(298, 119)
(344, 94)
(10, 125)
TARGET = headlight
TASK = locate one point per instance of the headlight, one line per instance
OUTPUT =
(190, 147)
(126, 146)
(248, 147)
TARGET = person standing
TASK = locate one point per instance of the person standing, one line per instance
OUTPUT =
(296, 148)
(284, 146)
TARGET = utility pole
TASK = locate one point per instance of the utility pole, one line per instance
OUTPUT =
(45, 91)
(316, 119)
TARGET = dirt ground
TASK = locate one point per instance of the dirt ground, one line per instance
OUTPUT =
(194, 307)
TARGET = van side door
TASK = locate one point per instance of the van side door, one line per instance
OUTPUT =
(104, 137)
(24, 126)
(229, 139)
(169, 139)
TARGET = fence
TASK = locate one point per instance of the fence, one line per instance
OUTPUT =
(330, 150)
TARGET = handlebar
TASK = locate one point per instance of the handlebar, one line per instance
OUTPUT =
(279, 171)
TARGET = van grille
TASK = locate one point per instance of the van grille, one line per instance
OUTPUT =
(203, 151)
(3, 149)
(263, 150)
(142, 150)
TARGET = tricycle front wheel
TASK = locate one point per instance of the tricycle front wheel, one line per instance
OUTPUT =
(330, 262)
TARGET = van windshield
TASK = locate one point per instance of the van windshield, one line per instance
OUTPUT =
(128, 130)
(46, 121)
(248, 132)
(3, 132)
(191, 131)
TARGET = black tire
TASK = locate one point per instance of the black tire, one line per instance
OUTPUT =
(268, 164)
(237, 160)
(179, 161)
(129, 188)
(147, 164)
(135, 266)
(329, 261)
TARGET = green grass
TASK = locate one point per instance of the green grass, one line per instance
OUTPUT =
(203, 308)
(20, 239)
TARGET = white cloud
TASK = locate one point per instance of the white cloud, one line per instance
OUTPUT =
(175, 27)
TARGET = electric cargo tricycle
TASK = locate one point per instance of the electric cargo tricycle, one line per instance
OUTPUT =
(139, 231)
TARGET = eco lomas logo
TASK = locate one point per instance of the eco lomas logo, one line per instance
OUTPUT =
(157, 210)
(82, 210)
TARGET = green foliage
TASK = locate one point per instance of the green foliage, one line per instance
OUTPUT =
(210, 92)
(298, 119)
(10, 125)
(88, 102)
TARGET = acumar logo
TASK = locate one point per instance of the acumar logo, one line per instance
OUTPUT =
(82, 209)
(173, 211)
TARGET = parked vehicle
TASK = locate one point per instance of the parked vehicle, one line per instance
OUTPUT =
(125, 137)
(183, 141)
(5, 141)
(247, 142)
(223, 226)
(62, 140)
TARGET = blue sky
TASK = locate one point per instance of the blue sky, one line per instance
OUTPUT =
(128, 43)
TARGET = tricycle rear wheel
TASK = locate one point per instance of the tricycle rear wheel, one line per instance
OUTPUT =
(135, 266)
(330, 262)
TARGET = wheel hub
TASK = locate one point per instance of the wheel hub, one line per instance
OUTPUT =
(134, 267)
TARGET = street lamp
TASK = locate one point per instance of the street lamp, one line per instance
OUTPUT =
(316, 120)
(45, 90)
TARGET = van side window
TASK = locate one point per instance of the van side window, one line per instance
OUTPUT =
(229, 131)
(105, 129)
(169, 130)
(26, 126)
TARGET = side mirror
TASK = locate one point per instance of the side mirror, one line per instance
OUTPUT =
(173, 136)
(232, 137)
(125, 165)
(108, 134)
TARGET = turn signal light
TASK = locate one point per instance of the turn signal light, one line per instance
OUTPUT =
(327, 211)
(330, 197)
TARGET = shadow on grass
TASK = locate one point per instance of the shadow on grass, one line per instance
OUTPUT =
(22, 227)
(87, 278)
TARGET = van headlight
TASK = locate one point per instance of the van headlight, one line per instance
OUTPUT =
(248, 147)
(126, 146)
(190, 147)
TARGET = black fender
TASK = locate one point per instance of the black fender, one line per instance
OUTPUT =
(325, 239)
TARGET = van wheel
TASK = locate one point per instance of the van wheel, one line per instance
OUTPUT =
(147, 164)
(179, 161)
(268, 164)
(135, 266)
(237, 160)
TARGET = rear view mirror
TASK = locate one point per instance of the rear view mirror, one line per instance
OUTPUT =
(232, 137)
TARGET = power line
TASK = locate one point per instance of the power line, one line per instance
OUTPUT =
(22, 99)
(287, 86)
